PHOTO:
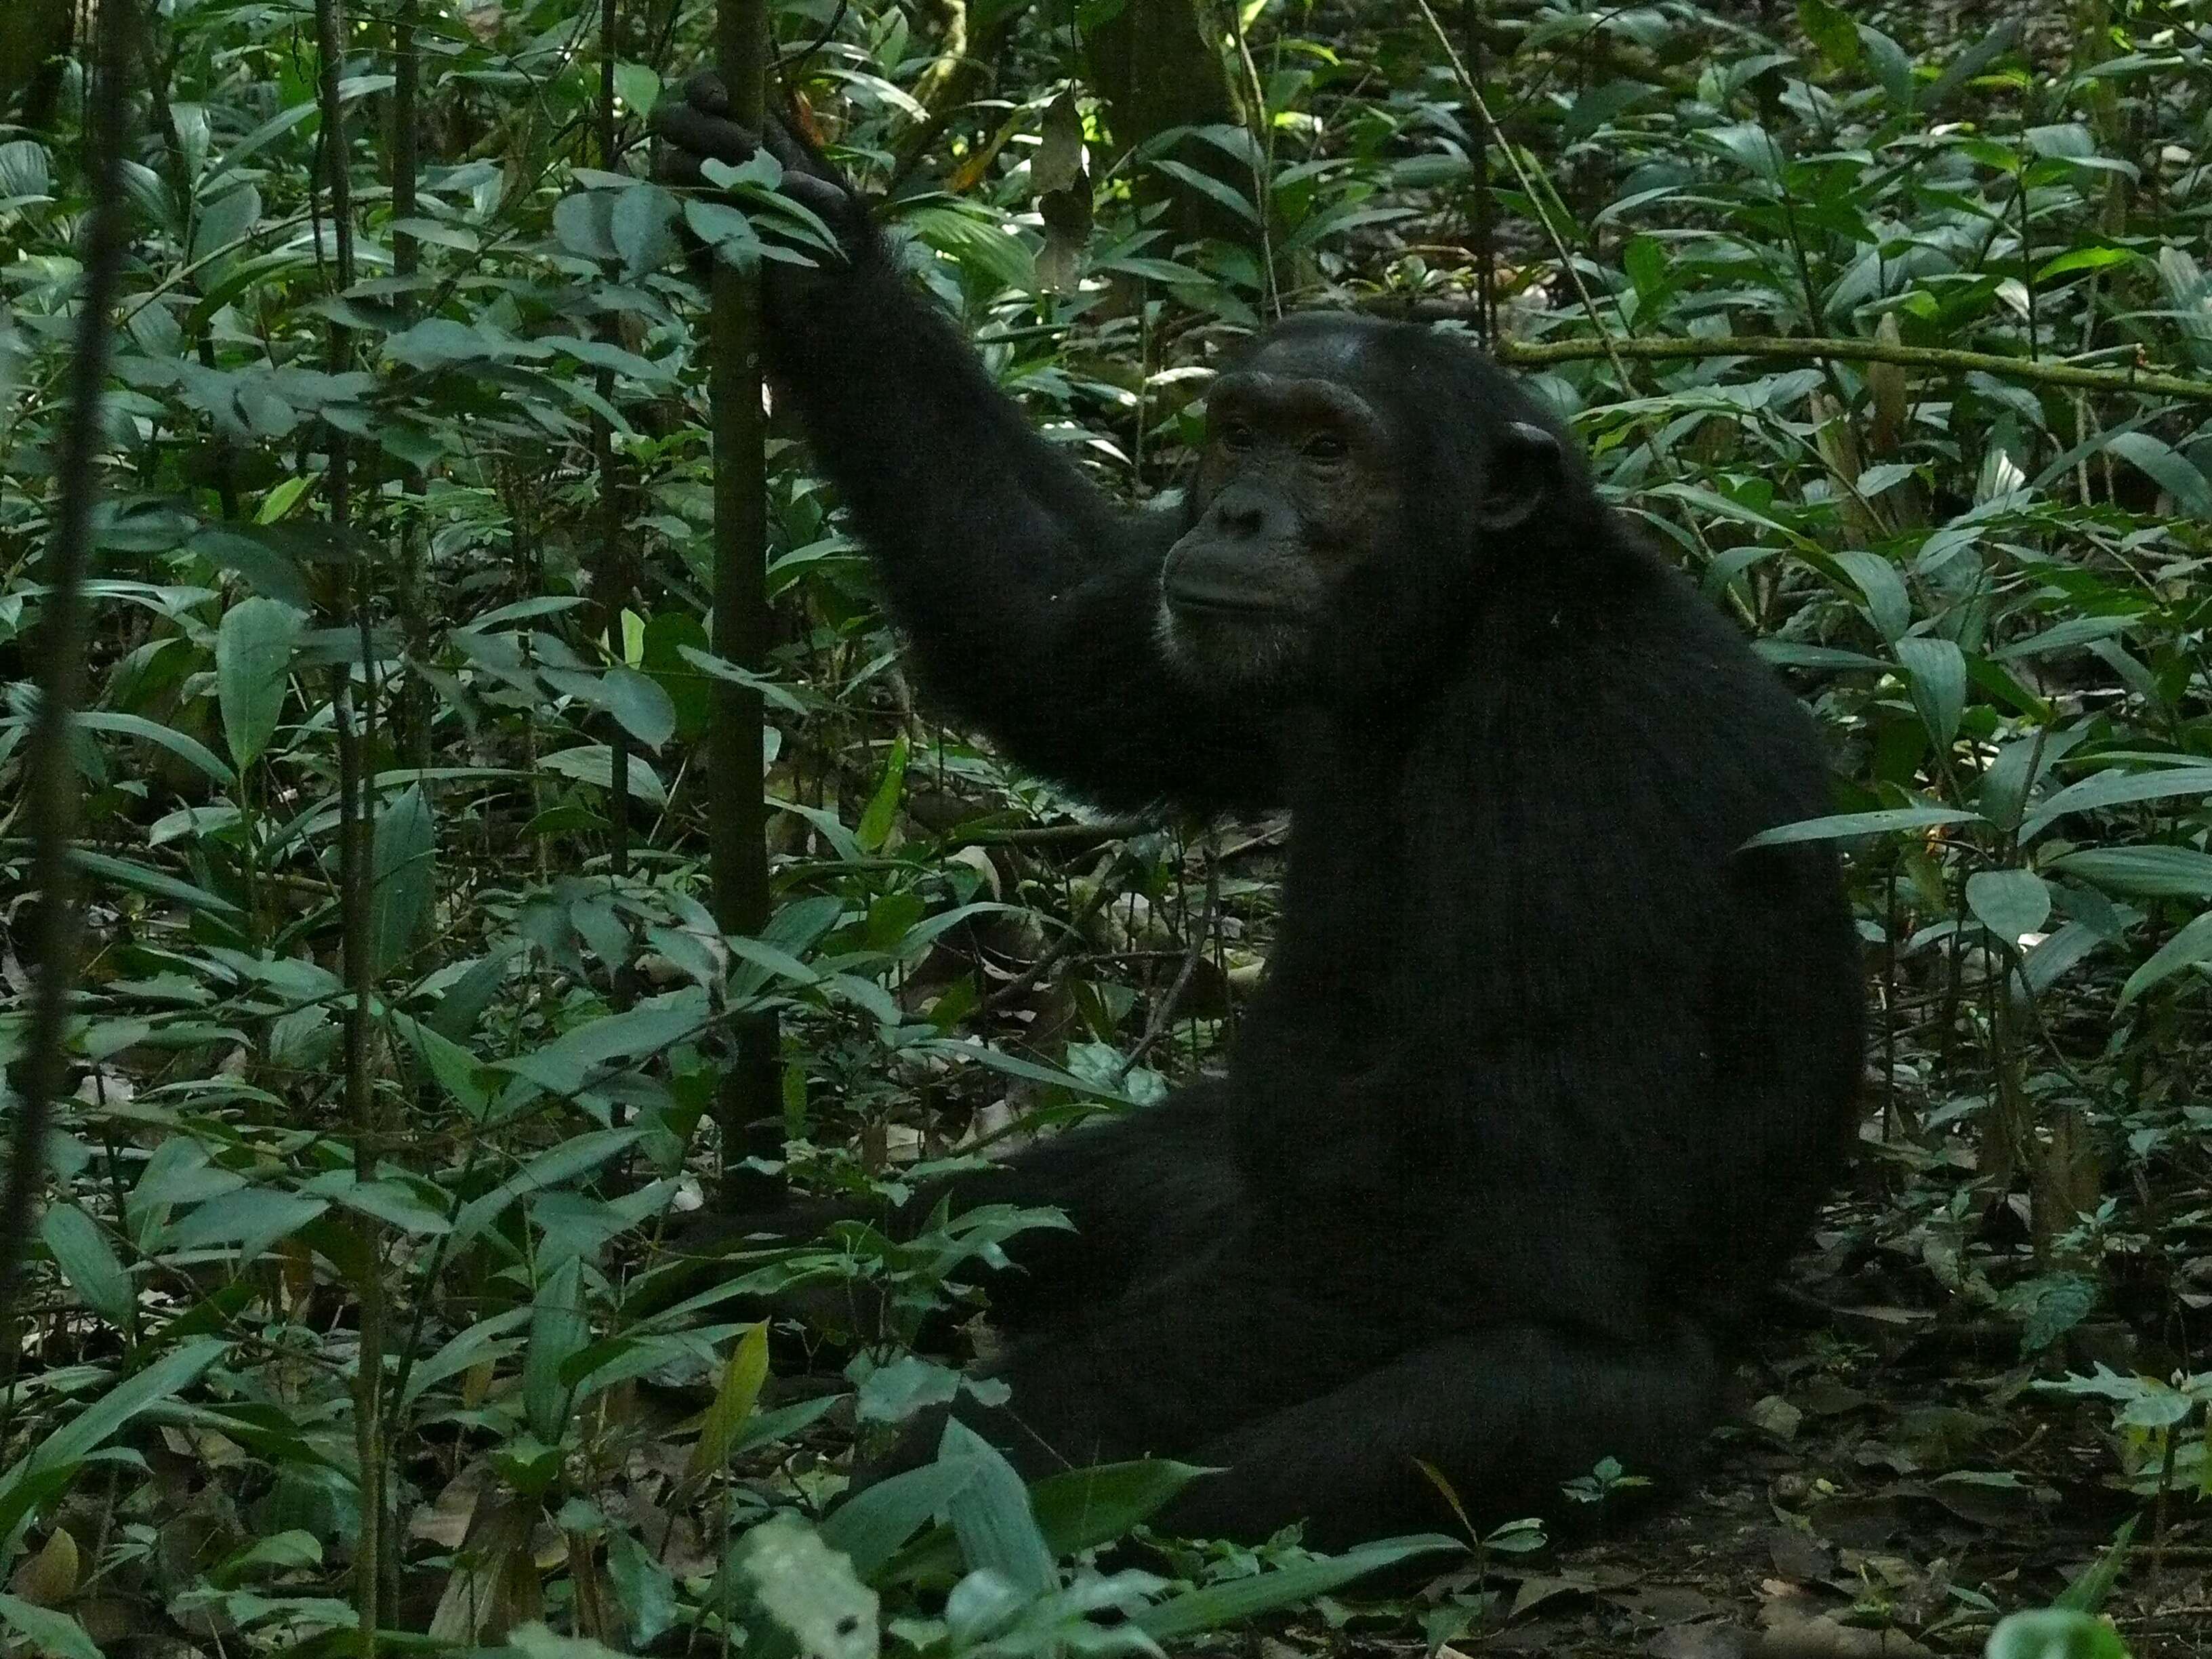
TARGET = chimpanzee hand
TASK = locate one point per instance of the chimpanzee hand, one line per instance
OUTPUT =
(694, 127)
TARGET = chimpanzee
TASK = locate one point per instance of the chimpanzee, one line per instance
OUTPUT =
(1547, 1074)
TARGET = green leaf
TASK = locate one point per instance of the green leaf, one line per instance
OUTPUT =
(1889, 607)
(253, 648)
(251, 1218)
(595, 764)
(386, 1201)
(811, 1599)
(1891, 67)
(137, 879)
(640, 704)
(646, 1589)
(2166, 467)
(1246, 1598)
(873, 1524)
(403, 868)
(638, 86)
(53, 1633)
(2144, 871)
(1844, 825)
(2008, 903)
(2055, 1633)
(188, 750)
(2191, 945)
(555, 1167)
(875, 826)
(558, 1329)
(1830, 28)
(104, 1418)
(654, 1025)
(2117, 787)
(81, 1252)
(990, 1514)
(641, 228)
(1938, 669)
(2089, 1592)
(984, 244)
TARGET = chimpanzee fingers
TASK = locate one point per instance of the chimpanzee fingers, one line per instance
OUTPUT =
(703, 90)
(700, 135)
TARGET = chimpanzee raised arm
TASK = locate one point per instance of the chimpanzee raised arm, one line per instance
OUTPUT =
(1032, 600)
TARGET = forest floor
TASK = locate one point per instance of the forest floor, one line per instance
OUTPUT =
(1888, 1483)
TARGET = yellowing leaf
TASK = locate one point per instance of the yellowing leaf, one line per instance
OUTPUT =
(734, 1402)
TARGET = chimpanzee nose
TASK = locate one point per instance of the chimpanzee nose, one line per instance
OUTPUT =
(1240, 511)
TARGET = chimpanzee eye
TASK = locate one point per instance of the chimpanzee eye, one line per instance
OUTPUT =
(1326, 446)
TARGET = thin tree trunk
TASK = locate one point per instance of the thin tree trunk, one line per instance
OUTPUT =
(609, 587)
(356, 831)
(749, 1107)
(50, 765)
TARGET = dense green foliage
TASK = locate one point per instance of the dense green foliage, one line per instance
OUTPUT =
(1990, 581)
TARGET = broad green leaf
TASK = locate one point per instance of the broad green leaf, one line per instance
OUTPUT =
(791, 1576)
(1844, 825)
(107, 1416)
(188, 750)
(595, 764)
(2055, 1633)
(1938, 670)
(1891, 66)
(253, 648)
(1246, 1598)
(990, 1514)
(251, 1218)
(559, 1328)
(1829, 28)
(2168, 468)
(1076, 1510)
(638, 703)
(488, 1339)
(152, 883)
(875, 826)
(387, 1201)
(2008, 903)
(2144, 871)
(654, 1025)
(555, 1167)
(81, 1250)
(50, 1632)
(1889, 607)
(2191, 945)
(638, 86)
(404, 869)
(646, 1589)
(2117, 787)
(874, 1524)
(2089, 1592)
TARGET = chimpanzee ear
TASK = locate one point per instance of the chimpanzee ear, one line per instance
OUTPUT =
(1522, 474)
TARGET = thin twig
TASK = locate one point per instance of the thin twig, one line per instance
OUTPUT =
(1480, 106)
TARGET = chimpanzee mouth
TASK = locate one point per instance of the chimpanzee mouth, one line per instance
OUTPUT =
(1223, 601)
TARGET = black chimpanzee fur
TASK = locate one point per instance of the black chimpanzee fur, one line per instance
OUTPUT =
(1547, 1074)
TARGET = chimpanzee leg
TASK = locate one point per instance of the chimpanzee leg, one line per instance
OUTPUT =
(1196, 1368)
(1505, 1416)
(1145, 1192)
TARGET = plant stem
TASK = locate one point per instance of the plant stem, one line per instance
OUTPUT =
(50, 767)
(749, 1107)
(1526, 354)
